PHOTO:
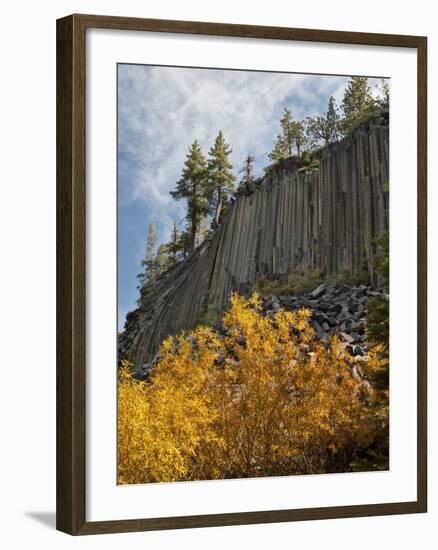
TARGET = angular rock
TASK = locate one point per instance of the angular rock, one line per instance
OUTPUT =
(347, 337)
(319, 291)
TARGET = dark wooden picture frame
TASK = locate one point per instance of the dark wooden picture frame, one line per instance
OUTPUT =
(71, 274)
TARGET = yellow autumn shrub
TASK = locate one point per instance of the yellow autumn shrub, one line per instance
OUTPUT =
(266, 398)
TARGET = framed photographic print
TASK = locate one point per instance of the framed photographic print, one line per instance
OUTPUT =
(241, 274)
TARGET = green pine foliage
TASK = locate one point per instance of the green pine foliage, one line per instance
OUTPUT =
(193, 187)
(220, 178)
(161, 259)
(358, 103)
(164, 258)
(378, 308)
(378, 321)
(279, 150)
(382, 98)
(377, 330)
(292, 136)
(300, 137)
(149, 273)
(287, 136)
(324, 129)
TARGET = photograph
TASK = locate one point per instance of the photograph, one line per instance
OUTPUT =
(252, 274)
(216, 223)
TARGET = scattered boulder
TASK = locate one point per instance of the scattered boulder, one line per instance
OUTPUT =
(319, 291)
(347, 337)
(335, 309)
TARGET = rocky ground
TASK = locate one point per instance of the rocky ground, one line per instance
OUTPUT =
(335, 308)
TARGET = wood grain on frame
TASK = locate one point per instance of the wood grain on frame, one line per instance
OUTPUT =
(71, 269)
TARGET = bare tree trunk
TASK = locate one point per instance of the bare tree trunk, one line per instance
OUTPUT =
(193, 231)
(218, 206)
(174, 241)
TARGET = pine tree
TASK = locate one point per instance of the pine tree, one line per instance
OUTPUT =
(174, 247)
(220, 177)
(357, 104)
(292, 136)
(183, 243)
(332, 121)
(164, 258)
(288, 130)
(383, 94)
(300, 138)
(279, 151)
(324, 129)
(192, 186)
(149, 273)
(248, 173)
(172, 252)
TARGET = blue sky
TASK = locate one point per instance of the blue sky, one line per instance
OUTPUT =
(162, 110)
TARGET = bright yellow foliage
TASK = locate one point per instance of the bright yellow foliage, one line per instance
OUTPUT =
(265, 399)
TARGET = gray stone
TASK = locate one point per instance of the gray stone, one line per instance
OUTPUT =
(319, 291)
(287, 300)
(358, 350)
(347, 337)
(357, 327)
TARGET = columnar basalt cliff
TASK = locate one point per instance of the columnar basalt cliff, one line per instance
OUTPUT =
(327, 218)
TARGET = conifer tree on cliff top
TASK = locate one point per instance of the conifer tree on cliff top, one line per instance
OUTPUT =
(248, 173)
(288, 130)
(192, 186)
(291, 136)
(285, 140)
(300, 137)
(324, 128)
(357, 104)
(220, 177)
(279, 151)
(383, 94)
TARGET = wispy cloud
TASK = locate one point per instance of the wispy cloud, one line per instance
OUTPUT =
(162, 110)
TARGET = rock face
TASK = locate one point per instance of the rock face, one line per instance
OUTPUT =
(327, 218)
